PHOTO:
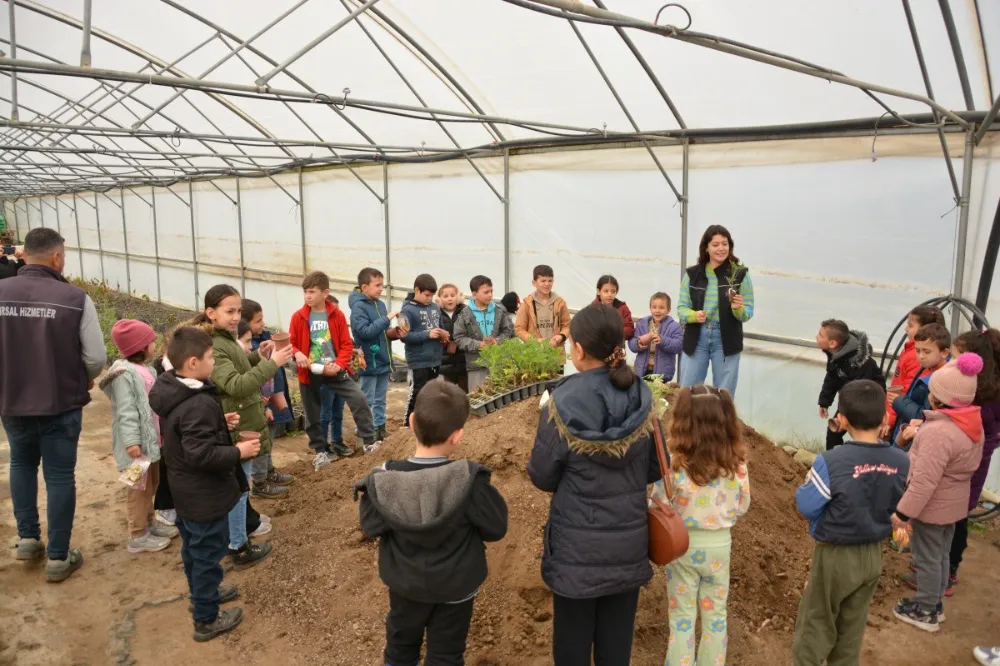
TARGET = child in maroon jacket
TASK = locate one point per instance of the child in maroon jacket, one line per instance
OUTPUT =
(607, 293)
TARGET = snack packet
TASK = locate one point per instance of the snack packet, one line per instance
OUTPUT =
(135, 474)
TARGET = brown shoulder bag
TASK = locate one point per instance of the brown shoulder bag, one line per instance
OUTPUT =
(668, 536)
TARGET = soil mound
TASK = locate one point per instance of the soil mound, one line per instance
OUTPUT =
(322, 592)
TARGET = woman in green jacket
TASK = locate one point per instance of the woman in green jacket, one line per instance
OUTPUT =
(239, 376)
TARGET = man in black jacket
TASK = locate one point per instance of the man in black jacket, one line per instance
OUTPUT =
(433, 516)
(51, 349)
(849, 356)
(201, 465)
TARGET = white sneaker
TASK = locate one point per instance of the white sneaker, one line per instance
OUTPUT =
(158, 529)
(323, 459)
(373, 447)
(262, 529)
(265, 519)
(147, 543)
(987, 656)
(167, 517)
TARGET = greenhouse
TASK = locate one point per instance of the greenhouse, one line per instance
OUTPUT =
(193, 143)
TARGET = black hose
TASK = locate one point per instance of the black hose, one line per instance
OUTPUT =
(989, 263)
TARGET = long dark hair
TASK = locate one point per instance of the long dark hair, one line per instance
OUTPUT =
(598, 328)
(985, 345)
(213, 299)
(706, 238)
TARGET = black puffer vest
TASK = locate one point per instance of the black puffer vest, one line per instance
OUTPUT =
(731, 327)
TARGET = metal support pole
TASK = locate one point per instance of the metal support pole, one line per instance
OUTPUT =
(194, 247)
(41, 211)
(262, 81)
(79, 252)
(85, 51)
(100, 243)
(385, 216)
(58, 217)
(128, 268)
(956, 49)
(684, 206)
(988, 120)
(302, 223)
(156, 243)
(239, 227)
(963, 230)
(13, 54)
(506, 220)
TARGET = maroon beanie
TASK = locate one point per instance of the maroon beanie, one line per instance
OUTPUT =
(131, 336)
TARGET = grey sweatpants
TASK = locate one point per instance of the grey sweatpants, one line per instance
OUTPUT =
(931, 546)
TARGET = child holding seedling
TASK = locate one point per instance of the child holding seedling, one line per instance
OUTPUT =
(453, 366)
(657, 340)
(932, 344)
(848, 497)
(135, 430)
(279, 403)
(481, 324)
(423, 337)
(849, 356)
(711, 492)
(908, 367)
(947, 450)
(543, 314)
(371, 324)
(607, 293)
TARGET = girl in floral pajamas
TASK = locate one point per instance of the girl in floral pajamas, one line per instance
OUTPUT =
(711, 491)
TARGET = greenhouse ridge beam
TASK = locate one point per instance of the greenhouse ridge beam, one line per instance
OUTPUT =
(585, 12)
(956, 49)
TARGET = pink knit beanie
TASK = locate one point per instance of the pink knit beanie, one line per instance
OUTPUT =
(954, 385)
(131, 336)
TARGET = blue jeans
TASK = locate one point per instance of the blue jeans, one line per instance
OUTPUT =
(725, 369)
(375, 387)
(204, 546)
(52, 442)
(331, 414)
(238, 516)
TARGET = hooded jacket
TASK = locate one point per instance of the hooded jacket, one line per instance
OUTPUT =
(991, 436)
(422, 351)
(340, 336)
(469, 334)
(855, 360)
(201, 458)
(626, 315)
(526, 325)
(907, 369)
(594, 451)
(432, 517)
(369, 322)
(452, 363)
(132, 422)
(946, 453)
(912, 404)
(665, 353)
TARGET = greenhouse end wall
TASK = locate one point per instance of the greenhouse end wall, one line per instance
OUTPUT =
(825, 231)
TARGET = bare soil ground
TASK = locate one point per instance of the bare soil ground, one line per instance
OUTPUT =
(319, 600)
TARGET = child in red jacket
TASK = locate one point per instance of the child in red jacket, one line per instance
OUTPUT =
(908, 367)
(323, 348)
(607, 293)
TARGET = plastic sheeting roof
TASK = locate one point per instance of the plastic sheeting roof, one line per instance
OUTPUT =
(541, 78)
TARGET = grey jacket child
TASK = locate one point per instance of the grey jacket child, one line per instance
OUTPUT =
(469, 335)
(133, 418)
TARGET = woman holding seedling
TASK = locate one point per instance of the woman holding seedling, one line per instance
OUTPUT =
(716, 299)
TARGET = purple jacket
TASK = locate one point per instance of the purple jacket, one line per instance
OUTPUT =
(671, 341)
(991, 436)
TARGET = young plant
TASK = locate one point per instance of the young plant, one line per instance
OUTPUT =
(661, 393)
(734, 279)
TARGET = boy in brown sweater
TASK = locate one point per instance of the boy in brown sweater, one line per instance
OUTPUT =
(543, 314)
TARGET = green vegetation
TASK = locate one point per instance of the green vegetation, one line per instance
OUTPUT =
(661, 393)
(515, 363)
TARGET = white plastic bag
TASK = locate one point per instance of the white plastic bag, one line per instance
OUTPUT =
(135, 475)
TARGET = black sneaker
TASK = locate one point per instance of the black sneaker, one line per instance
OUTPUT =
(249, 555)
(267, 490)
(227, 620)
(381, 433)
(909, 612)
(279, 479)
(226, 594)
(342, 450)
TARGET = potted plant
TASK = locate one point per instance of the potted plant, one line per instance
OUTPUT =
(737, 272)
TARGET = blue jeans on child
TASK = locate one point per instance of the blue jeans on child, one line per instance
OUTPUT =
(204, 546)
(52, 442)
(725, 369)
(375, 387)
(331, 414)
(238, 516)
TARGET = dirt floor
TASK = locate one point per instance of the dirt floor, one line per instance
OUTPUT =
(319, 600)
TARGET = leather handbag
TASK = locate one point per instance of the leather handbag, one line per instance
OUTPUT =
(668, 536)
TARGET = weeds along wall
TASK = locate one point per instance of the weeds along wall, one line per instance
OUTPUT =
(824, 230)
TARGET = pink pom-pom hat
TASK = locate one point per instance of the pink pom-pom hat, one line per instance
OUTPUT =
(954, 385)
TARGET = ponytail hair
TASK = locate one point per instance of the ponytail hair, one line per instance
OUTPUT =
(986, 345)
(599, 330)
(213, 299)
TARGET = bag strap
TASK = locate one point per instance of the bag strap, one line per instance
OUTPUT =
(661, 457)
